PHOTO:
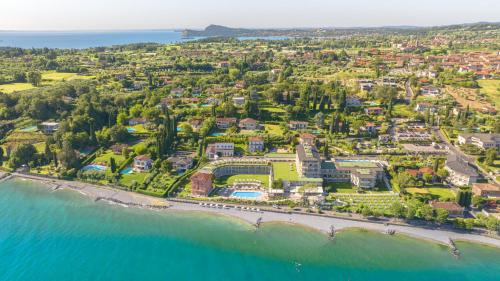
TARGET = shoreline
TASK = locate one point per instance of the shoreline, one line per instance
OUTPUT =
(310, 221)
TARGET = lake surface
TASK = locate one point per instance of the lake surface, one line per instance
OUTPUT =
(82, 40)
(62, 235)
(87, 39)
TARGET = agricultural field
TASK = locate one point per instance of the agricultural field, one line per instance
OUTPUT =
(15, 87)
(377, 202)
(492, 89)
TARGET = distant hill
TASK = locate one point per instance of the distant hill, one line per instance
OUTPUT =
(224, 31)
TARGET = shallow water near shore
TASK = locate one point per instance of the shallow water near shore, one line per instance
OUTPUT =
(63, 235)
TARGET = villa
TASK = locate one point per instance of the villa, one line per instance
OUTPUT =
(307, 139)
(239, 101)
(48, 127)
(142, 163)
(225, 122)
(220, 149)
(201, 184)
(374, 110)
(424, 106)
(297, 125)
(255, 144)
(249, 124)
(486, 190)
(181, 163)
(454, 210)
(136, 121)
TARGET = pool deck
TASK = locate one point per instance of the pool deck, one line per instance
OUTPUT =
(314, 221)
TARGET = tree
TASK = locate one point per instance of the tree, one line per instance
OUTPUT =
(23, 154)
(34, 77)
(427, 178)
(112, 164)
(397, 209)
(441, 215)
(426, 212)
(491, 156)
(277, 184)
(492, 224)
(1, 155)
(67, 156)
(403, 180)
(464, 198)
(319, 119)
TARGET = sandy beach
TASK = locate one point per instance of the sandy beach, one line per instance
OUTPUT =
(320, 223)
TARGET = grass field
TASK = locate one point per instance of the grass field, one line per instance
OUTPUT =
(15, 87)
(285, 171)
(438, 192)
(403, 110)
(128, 179)
(341, 187)
(104, 158)
(492, 89)
(48, 77)
(273, 129)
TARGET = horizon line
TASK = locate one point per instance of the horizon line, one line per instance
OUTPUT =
(251, 28)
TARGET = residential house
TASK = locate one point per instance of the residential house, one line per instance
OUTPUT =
(136, 121)
(142, 163)
(220, 149)
(374, 110)
(177, 91)
(297, 125)
(249, 124)
(353, 101)
(424, 107)
(201, 184)
(239, 101)
(486, 190)
(196, 123)
(225, 122)
(118, 148)
(307, 139)
(255, 144)
(181, 163)
(48, 127)
(454, 210)
(429, 91)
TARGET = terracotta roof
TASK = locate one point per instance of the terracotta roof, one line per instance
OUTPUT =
(449, 206)
(486, 186)
(201, 176)
(142, 158)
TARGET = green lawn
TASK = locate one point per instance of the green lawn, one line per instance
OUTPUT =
(138, 129)
(341, 187)
(231, 179)
(104, 157)
(402, 110)
(273, 129)
(285, 171)
(274, 109)
(128, 179)
(492, 89)
(439, 192)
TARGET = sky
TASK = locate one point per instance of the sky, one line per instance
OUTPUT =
(177, 14)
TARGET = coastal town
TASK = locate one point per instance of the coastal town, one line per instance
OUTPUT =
(393, 125)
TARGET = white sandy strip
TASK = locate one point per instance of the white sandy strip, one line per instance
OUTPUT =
(320, 223)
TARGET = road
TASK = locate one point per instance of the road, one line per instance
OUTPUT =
(409, 91)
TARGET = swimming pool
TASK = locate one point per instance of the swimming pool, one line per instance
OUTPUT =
(127, 170)
(94, 167)
(217, 134)
(247, 194)
(131, 130)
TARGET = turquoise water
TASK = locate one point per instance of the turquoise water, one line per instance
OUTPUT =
(131, 130)
(63, 235)
(94, 167)
(88, 39)
(247, 194)
(127, 170)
